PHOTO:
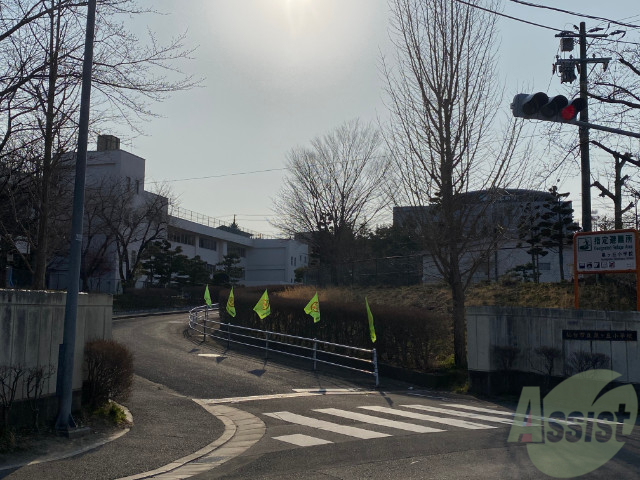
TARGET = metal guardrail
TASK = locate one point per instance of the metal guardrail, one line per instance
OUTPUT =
(204, 323)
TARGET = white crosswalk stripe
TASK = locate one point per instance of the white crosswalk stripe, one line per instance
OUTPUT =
(429, 418)
(478, 409)
(405, 411)
(457, 413)
(328, 426)
(361, 417)
(302, 440)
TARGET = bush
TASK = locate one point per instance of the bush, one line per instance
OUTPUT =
(580, 362)
(112, 414)
(109, 372)
(407, 337)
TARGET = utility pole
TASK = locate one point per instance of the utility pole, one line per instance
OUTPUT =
(583, 132)
(566, 68)
(65, 422)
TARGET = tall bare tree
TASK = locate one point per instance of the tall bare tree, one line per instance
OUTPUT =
(443, 100)
(41, 48)
(333, 190)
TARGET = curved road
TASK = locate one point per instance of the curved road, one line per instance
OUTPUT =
(163, 355)
(395, 432)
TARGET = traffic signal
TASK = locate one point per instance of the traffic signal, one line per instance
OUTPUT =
(539, 106)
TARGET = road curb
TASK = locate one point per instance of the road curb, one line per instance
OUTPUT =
(125, 316)
(76, 451)
(242, 431)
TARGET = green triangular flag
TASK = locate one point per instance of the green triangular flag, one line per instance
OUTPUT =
(313, 308)
(263, 308)
(372, 330)
(231, 306)
(207, 297)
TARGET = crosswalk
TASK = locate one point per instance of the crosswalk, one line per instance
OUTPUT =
(424, 419)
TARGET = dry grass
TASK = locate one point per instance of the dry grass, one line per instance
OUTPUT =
(609, 294)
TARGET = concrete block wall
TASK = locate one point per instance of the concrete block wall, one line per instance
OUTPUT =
(530, 328)
(31, 330)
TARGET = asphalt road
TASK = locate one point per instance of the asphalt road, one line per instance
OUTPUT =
(165, 356)
(351, 432)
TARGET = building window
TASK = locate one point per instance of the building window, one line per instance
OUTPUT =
(137, 187)
(236, 250)
(208, 243)
(182, 237)
(544, 266)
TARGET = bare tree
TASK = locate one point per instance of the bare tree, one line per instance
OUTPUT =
(133, 222)
(443, 100)
(41, 60)
(333, 190)
(619, 181)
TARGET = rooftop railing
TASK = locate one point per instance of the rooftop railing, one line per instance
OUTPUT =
(212, 222)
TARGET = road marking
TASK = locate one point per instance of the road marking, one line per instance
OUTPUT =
(210, 355)
(430, 418)
(457, 413)
(478, 409)
(302, 440)
(332, 390)
(361, 417)
(304, 393)
(328, 426)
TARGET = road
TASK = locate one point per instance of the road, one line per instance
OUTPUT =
(397, 431)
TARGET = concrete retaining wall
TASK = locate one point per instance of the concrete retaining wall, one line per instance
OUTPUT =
(530, 328)
(31, 330)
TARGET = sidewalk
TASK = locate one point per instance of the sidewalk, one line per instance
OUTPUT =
(166, 427)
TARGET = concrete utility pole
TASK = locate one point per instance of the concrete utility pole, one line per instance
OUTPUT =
(583, 132)
(566, 67)
(64, 391)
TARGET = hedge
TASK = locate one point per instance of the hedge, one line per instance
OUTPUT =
(407, 337)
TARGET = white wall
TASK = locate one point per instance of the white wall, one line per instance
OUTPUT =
(274, 261)
(530, 328)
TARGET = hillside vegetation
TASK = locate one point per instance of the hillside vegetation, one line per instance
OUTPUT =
(607, 293)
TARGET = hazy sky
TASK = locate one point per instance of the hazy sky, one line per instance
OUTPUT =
(279, 72)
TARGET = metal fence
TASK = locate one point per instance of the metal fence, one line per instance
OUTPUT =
(389, 271)
(204, 320)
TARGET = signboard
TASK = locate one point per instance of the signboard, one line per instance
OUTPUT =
(613, 251)
(605, 252)
(605, 335)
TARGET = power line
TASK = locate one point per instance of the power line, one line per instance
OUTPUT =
(521, 20)
(221, 175)
(583, 15)
(500, 14)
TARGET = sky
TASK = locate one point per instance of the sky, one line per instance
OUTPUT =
(277, 73)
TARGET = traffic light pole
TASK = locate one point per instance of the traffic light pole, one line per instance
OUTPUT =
(585, 165)
(580, 123)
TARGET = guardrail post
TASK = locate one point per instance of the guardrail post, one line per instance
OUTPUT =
(228, 334)
(315, 349)
(204, 325)
(375, 366)
(266, 348)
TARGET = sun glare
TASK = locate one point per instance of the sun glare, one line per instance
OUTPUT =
(299, 12)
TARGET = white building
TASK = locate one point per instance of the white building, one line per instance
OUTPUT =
(500, 215)
(266, 261)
